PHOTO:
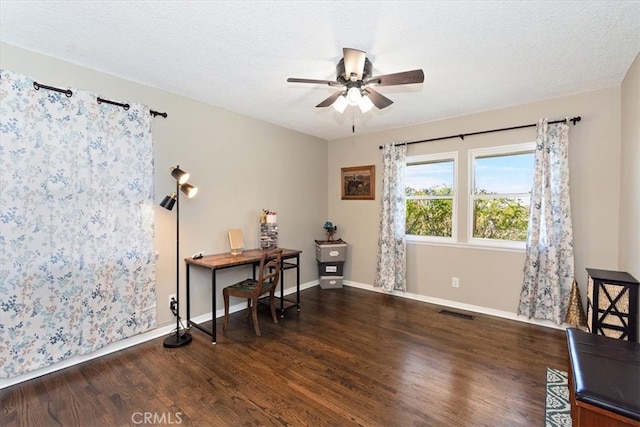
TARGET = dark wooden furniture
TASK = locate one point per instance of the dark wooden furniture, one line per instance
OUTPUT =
(612, 304)
(249, 257)
(252, 289)
(604, 380)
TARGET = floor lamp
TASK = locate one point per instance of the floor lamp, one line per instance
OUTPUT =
(178, 339)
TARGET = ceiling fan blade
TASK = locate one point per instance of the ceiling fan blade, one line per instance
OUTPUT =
(404, 78)
(322, 82)
(378, 99)
(330, 100)
(353, 62)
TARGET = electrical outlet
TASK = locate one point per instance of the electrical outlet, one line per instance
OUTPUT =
(455, 282)
(172, 297)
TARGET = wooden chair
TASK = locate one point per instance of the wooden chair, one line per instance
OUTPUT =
(252, 289)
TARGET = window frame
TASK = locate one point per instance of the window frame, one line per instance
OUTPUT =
(437, 158)
(496, 151)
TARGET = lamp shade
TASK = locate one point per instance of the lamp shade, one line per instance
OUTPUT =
(180, 175)
(365, 104)
(353, 96)
(189, 190)
(340, 104)
(169, 201)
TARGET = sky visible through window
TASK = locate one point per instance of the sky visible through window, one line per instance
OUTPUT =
(505, 174)
(429, 175)
(499, 174)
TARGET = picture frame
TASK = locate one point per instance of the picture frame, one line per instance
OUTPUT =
(358, 183)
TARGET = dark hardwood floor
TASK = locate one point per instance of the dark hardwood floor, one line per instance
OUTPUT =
(350, 357)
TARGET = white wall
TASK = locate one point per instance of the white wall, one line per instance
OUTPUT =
(629, 247)
(490, 278)
(630, 172)
(241, 165)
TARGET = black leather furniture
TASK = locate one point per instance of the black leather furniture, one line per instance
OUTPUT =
(604, 380)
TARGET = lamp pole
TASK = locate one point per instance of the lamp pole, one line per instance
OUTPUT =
(177, 340)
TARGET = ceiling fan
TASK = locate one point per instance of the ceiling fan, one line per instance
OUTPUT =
(353, 76)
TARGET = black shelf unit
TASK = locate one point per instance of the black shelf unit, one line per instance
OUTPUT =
(612, 304)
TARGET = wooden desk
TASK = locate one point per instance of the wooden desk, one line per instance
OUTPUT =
(250, 257)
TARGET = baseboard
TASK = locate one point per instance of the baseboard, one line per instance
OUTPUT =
(461, 306)
(166, 330)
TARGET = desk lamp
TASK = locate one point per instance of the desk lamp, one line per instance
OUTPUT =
(178, 339)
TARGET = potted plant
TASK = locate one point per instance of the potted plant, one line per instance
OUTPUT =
(330, 229)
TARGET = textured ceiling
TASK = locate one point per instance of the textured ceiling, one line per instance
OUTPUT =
(237, 55)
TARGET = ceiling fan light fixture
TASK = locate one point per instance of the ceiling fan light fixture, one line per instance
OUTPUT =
(365, 104)
(340, 104)
(354, 96)
(354, 75)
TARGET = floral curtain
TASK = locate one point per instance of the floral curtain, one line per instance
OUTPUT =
(548, 269)
(391, 265)
(77, 264)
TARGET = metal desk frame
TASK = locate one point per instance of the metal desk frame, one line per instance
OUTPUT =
(249, 257)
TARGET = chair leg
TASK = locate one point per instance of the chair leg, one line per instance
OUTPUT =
(272, 304)
(254, 313)
(226, 311)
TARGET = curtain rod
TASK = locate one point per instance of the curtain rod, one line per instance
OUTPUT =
(69, 93)
(573, 120)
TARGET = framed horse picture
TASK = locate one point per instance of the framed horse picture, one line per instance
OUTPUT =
(358, 183)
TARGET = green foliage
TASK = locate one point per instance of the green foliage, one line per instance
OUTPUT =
(437, 190)
(498, 218)
(430, 217)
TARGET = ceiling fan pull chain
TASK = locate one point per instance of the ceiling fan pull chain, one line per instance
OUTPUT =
(353, 122)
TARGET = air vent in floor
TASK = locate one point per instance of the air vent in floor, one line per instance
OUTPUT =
(453, 313)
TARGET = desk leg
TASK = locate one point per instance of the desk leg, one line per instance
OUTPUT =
(298, 282)
(188, 300)
(281, 291)
(213, 305)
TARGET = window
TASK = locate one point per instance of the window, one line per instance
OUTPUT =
(501, 179)
(430, 192)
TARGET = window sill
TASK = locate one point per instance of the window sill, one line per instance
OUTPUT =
(483, 247)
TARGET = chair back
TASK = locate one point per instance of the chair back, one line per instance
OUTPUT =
(270, 264)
